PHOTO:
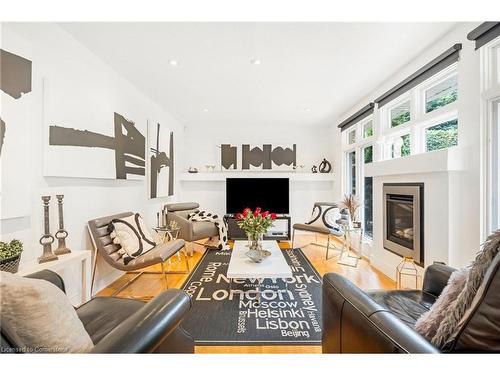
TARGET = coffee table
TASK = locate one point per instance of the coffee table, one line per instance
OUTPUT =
(274, 266)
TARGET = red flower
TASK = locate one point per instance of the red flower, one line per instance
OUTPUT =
(239, 216)
(257, 211)
(265, 213)
(273, 216)
(246, 211)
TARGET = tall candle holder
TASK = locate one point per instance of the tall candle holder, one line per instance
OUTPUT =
(62, 233)
(47, 239)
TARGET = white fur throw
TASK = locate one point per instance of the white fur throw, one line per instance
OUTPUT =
(132, 234)
(219, 223)
(448, 328)
(428, 324)
(42, 316)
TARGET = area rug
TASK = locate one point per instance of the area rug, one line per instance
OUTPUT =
(285, 315)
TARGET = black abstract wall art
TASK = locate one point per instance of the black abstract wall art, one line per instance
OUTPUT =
(128, 144)
(15, 80)
(268, 157)
(229, 156)
(160, 160)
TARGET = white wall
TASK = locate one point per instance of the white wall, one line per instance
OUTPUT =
(57, 54)
(313, 144)
(461, 223)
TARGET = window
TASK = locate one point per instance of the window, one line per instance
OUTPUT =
(441, 94)
(351, 173)
(351, 137)
(405, 147)
(401, 146)
(368, 154)
(368, 206)
(368, 129)
(368, 195)
(440, 136)
(400, 114)
(495, 166)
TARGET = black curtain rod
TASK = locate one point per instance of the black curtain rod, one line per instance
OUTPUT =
(447, 58)
(484, 33)
(358, 116)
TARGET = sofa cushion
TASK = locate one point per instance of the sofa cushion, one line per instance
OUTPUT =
(407, 305)
(428, 324)
(42, 316)
(102, 314)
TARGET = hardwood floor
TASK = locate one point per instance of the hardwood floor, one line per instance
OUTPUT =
(364, 276)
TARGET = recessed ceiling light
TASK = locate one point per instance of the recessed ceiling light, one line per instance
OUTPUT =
(173, 62)
(307, 109)
(256, 61)
(205, 109)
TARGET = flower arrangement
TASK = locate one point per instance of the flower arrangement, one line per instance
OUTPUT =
(255, 223)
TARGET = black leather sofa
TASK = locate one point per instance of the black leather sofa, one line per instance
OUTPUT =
(355, 321)
(123, 325)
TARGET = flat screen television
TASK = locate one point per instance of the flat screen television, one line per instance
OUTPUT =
(271, 194)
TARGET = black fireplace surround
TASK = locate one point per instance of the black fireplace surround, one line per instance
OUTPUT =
(404, 220)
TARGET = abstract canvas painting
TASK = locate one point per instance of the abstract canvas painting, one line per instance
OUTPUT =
(15, 121)
(127, 144)
(258, 157)
(96, 129)
(161, 161)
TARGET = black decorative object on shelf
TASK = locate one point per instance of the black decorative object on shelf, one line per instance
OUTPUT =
(325, 166)
(62, 233)
(314, 169)
(47, 239)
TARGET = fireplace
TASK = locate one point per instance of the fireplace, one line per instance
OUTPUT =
(404, 220)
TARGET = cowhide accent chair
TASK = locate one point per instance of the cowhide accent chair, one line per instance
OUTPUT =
(104, 245)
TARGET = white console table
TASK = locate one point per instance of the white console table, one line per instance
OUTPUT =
(78, 290)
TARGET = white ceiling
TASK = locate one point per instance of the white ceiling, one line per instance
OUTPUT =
(325, 67)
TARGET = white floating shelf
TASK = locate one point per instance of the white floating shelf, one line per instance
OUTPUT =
(221, 176)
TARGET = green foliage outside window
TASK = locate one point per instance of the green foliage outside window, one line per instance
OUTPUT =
(442, 136)
(441, 102)
(400, 119)
(368, 154)
(368, 132)
(405, 148)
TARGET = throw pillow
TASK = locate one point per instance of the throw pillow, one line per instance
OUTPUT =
(448, 327)
(428, 324)
(330, 217)
(132, 234)
(42, 316)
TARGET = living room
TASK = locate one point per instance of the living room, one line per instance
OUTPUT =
(217, 185)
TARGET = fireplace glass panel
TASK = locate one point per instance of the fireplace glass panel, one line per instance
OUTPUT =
(400, 220)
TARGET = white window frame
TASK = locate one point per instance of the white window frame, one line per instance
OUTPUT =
(383, 132)
(490, 94)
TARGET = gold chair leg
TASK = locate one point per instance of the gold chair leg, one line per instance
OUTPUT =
(186, 259)
(164, 274)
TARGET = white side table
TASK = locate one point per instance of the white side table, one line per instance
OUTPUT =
(77, 292)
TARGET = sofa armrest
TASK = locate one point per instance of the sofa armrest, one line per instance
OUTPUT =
(355, 323)
(436, 278)
(147, 329)
(49, 276)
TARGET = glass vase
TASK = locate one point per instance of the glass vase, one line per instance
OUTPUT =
(255, 252)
